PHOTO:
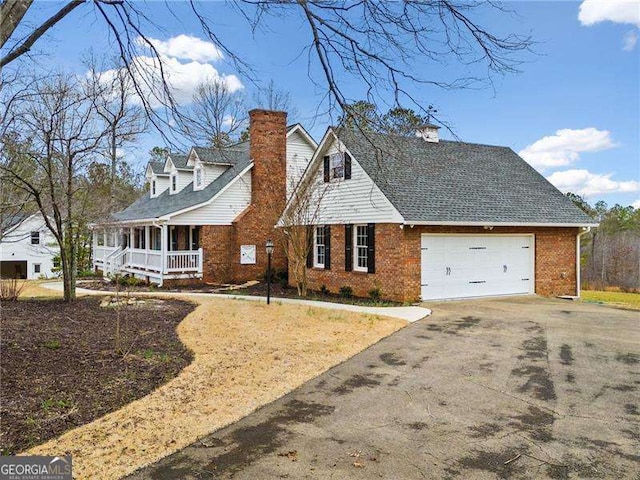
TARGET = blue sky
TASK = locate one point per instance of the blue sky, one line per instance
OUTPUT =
(573, 112)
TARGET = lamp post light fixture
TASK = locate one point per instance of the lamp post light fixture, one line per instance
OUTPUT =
(269, 247)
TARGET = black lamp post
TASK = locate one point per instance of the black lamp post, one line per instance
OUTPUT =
(269, 247)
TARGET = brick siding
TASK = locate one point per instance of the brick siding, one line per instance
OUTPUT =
(398, 260)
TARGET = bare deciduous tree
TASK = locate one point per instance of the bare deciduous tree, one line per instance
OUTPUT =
(124, 119)
(216, 115)
(58, 132)
(376, 44)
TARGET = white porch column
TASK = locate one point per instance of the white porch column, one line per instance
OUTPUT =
(163, 248)
(131, 238)
(146, 245)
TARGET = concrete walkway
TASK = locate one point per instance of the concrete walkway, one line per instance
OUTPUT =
(410, 314)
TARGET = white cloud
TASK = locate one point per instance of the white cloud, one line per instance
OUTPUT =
(636, 204)
(182, 77)
(185, 47)
(630, 40)
(565, 146)
(586, 184)
(618, 11)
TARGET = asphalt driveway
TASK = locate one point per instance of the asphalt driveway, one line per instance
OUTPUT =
(514, 387)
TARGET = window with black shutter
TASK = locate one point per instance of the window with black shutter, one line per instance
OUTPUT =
(327, 247)
(327, 167)
(348, 248)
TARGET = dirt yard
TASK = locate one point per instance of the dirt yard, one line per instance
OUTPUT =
(60, 368)
(246, 354)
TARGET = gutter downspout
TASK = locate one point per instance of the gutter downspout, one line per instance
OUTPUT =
(578, 236)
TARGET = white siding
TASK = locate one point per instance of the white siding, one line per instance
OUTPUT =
(357, 200)
(299, 153)
(162, 183)
(211, 172)
(224, 209)
(16, 246)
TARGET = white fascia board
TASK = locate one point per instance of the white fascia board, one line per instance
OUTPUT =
(192, 154)
(168, 165)
(500, 224)
(309, 168)
(299, 128)
(222, 190)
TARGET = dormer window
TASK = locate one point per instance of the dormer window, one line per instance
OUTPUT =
(337, 167)
(153, 188)
(199, 176)
(174, 182)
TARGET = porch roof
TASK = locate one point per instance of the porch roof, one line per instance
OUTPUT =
(146, 208)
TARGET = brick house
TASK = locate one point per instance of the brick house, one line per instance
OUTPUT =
(420, 218)
(208, 214)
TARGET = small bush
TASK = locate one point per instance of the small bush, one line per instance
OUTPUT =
(86, 273)
(52, 344)
(324, 290)
(128, 281)
(10, 289)
(346, 291)
(375, 294)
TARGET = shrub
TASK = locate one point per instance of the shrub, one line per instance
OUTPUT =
(10, 289)
(375, 294)
(346, 291)
(324, 290)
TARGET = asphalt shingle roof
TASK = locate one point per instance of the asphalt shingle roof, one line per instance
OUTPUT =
(459, 182)
(226, 156)
(164, 204)
(180, 160)
(157, 168)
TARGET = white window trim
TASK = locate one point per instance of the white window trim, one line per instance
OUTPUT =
(38, 242)
(198, 185)
(332, 169)
(356, 267)
(316, 263)
(173, 189)
(37, 268)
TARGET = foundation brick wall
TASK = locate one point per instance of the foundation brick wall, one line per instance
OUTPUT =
(217, 242)
(398, 260)
(388, 265)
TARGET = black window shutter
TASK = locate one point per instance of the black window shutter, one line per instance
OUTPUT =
(326, 169)
(347, 166)
(327, 247)
(348, 248)
(371, 248)
(310, 252)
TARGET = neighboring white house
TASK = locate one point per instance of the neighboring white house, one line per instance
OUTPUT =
(27, 249)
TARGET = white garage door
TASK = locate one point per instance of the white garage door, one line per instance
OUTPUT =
(462, 266)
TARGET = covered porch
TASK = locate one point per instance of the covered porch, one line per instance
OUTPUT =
(152, 252)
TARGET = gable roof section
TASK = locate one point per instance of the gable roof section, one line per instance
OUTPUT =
(179, 161)
(459, 183)
(146, 208)
(157, 168)
(223, 156)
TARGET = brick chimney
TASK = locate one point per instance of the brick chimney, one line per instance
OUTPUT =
(268, 151)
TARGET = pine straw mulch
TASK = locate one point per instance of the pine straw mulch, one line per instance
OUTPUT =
(60, 368)
(246, 354)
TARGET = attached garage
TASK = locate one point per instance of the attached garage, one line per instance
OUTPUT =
(467, 266)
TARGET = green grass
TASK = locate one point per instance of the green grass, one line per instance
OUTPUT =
(629, 300)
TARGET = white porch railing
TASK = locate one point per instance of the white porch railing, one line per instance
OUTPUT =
(146, 259)
(100, 253)
(184, 261)
(150, 261)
